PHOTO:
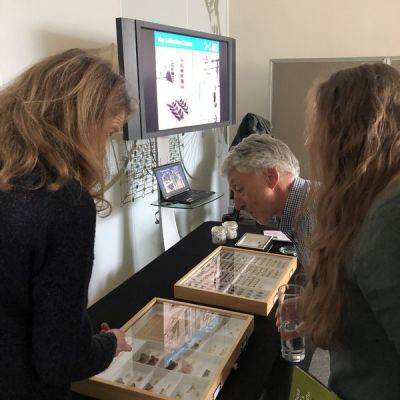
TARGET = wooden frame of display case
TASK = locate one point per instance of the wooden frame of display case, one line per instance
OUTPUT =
(238, 279)
(196, 341)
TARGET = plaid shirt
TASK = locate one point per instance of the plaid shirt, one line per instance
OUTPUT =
(292, 221)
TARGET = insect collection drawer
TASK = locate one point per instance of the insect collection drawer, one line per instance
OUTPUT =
(180, 351)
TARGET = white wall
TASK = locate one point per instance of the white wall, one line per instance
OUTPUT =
(30, 30)
(272, 29)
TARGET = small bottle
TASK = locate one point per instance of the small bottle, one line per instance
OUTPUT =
(218, 235)
(231, 228)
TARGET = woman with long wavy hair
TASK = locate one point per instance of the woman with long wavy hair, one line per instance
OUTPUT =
(55, 120)
(352, 300)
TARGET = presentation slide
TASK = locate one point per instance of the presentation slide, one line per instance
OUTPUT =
(188, 80)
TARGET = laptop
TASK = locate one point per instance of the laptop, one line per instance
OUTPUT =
(174, 186)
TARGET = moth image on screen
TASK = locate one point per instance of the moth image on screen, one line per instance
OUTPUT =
(188, 79)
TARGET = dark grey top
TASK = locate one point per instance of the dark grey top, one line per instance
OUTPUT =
(367, 363)
(46, 258)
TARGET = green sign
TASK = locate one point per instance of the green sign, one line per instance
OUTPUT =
(305, 387)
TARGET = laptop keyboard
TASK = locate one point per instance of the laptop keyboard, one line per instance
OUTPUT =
(191, 196)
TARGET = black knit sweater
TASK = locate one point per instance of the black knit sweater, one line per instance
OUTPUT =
(46, 259)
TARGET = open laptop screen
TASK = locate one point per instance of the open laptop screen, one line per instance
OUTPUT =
(171, 179)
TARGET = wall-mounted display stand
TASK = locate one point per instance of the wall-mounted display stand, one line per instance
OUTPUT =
(169, 229)
(196, 204)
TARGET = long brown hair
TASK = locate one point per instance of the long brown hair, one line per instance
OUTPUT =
(354, 146)
(51, 122)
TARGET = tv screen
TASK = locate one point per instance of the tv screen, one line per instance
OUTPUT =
(183, 80)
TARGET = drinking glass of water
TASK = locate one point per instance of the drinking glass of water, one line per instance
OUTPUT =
(290, 312)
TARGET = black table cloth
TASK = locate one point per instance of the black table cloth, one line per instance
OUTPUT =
(261, 373)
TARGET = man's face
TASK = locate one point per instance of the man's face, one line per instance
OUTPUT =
(253, 193)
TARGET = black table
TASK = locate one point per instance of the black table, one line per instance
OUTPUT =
(261, 373)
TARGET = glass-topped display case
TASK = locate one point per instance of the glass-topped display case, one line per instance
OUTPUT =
(239, 279)
(180, 351)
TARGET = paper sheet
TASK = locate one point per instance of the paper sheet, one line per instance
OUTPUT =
(277, 235)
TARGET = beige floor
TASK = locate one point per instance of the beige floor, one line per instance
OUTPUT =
(319, 367)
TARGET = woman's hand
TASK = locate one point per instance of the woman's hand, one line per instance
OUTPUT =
(122, 345)
(278, 317)
(290, 311)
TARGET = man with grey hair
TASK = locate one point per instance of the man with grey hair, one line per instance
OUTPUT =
(263, 174)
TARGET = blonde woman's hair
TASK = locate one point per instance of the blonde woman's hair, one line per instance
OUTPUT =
(353, 136)
(52, 123)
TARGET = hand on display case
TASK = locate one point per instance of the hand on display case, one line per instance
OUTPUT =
(122, 345)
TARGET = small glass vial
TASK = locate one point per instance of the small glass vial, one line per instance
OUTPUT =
(231, 228)
(218, 235)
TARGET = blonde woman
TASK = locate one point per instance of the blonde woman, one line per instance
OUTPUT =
(352, 301)
(55, 120)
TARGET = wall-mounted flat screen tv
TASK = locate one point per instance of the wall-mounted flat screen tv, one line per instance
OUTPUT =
(183, 80)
